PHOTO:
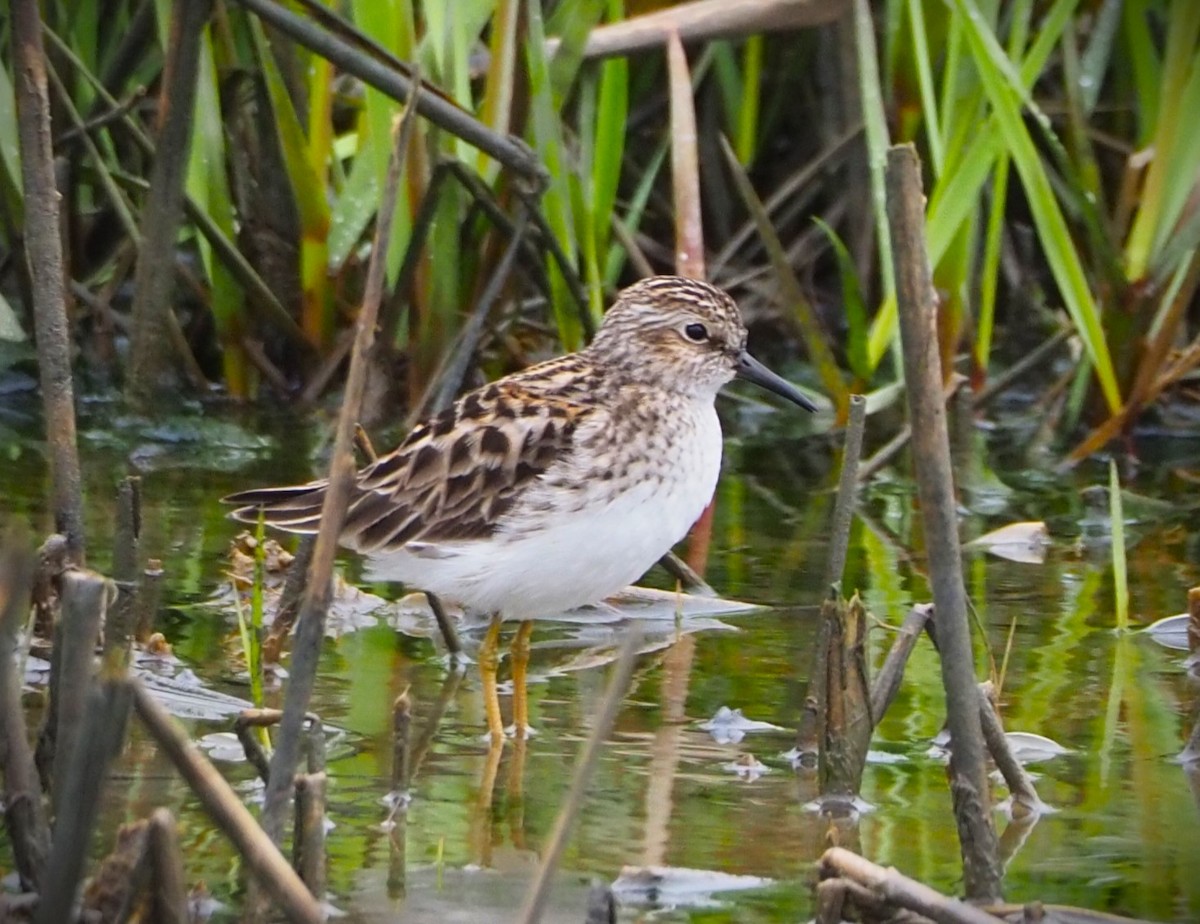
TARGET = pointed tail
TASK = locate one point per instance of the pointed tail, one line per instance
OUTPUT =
(295, 509)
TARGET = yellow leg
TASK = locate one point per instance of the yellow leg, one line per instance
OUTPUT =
(489, 659)
(520, 665)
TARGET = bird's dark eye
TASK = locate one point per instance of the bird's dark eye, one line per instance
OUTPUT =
(696, 332)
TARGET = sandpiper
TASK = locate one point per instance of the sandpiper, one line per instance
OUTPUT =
(556, 486)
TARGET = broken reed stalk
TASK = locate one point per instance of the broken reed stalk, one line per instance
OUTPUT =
(618, 684)
(310, 628)
(935, 487)
(84, 601)
(227, 810)
(169, 896)
(894, 890)
(116, 890)
(44, 263)
(843, 510)
(308, 844)
(149, 596)
(151, 367)
(243, 726)
(24, 816)
(1020, 784)
(887, 681)
(121, 623)
(77, 789)
(314, 744)
(844, 725)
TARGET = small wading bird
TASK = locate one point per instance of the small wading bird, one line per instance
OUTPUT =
(556, 486)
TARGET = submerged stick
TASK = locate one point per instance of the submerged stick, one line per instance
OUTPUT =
(445, 626)
(935, 485)
(1019, 782)
(887, 681)
(225, 807)
(44, 261)
(899, 891)
(535, 898)
(310, 629)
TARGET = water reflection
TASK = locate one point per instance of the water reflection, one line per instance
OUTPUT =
(1124, 838)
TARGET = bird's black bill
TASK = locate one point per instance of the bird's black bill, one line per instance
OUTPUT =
(752, 370)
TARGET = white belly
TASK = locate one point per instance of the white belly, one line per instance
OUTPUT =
(564, 548)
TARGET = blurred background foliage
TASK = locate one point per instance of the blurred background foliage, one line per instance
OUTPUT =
(1061, 152)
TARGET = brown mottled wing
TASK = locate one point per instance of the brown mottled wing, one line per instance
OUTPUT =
(453, 477)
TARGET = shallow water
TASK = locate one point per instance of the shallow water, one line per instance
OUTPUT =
(1124, 837)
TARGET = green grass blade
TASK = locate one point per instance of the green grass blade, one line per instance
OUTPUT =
(1051, 226)
(929, 110)
(990, 269)
(1172, 174)
(1119, 564)
(1145, 66)
(747, 113)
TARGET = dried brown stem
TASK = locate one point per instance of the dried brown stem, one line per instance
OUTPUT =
(935, 485)
(120, 625)
(887, 681)
(844, 723)
(148, 598)
(1020, 784)
(24, 818)
(310, 631)
(308, 851)
(151, 367)
(44, 257)
(704, 20)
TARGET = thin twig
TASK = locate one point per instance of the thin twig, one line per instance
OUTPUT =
(1019, 782)
(843, 510)
(935, 486)
(535, 898)
(507, 149)
(310, 630)
(226, 808)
